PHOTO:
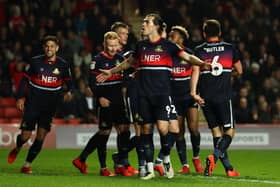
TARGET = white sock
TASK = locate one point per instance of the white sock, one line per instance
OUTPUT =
(166, 159)
(150, 167)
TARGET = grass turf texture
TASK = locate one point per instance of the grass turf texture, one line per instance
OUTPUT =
(54, 168)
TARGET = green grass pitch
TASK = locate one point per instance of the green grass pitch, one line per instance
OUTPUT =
(54, 168)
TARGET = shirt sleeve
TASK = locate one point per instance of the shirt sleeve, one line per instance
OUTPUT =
(93, 72)
(24, 80)
(235, 56)
(67, 78)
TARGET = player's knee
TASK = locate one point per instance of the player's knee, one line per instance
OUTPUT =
(216, 132)
(194, 132)
(104, 131)
(229, 131)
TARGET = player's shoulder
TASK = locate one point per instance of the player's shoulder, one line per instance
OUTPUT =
(166, 41)
(188, 50)
(142, 43)
(37, 57)
(97, 57)
(61, 60)
(127, 53)
(226, 43)
(200, 46)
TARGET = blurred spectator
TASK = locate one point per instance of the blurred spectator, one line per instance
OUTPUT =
(242, 111)
(78, 75)
(16, 19)
(80, 23)
(275, 80)
(254, 76)
(16, 70)
(83, 60)
(264, 112)
(267, 91)
(73, 42)
(5, 84)
(276, 111)
(85, 103)
(67, 110)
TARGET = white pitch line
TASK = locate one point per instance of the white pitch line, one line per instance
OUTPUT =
(243, 180)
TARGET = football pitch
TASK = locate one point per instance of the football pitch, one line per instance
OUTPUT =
(54, 168)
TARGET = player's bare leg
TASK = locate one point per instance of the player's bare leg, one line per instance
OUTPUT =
(193, 126)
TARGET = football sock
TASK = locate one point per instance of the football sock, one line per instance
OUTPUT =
(171, 139)
(224, 143)
(34, 150)
(90, 147)
(167, 142)
(132, 143)
(123, 138)
(19, 141)
(181, 150)
(225, 161)
(148, 145)
(221, 146)
(165, 150)
(140, 151)
(195, 140)
(102, 150)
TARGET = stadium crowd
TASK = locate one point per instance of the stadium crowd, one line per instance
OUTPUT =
(252, 25)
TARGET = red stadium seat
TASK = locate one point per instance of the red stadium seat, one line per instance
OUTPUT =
(58, 121)
(15, 120)
(1, 112)
(12, 112)
(4, 120)
(74, 121)
(7, 102)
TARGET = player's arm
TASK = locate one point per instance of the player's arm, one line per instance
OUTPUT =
(69, 85)
(20, 96)
(237, 68)
(193, 59)
(193, 85)
(21, 92)
(105, 74)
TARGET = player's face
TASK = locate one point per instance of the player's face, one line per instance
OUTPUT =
(50, 49)
(123, 34)
(148, 26)
(174, 37)
(111, 46)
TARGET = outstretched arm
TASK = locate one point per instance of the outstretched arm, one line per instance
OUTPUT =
(194, 60)
(105, 74)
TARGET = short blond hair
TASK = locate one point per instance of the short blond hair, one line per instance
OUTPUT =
(182, 31)
(111, 36)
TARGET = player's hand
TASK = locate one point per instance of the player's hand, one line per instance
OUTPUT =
(67, 97)
(199, 100)
(104, 102)
(104, 75)
(20, 104)
(206, 66)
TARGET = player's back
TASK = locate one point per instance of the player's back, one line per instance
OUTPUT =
(216, 86)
